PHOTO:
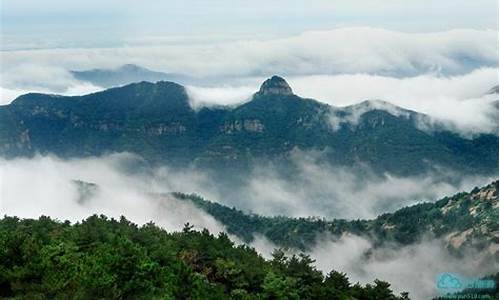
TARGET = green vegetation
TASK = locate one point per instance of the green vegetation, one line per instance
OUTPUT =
(103, 258)
(475, 213)
(156, 122)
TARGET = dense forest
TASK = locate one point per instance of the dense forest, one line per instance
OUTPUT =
(475, 212)
(101, 258)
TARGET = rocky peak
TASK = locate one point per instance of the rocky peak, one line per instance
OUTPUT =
(275, 86)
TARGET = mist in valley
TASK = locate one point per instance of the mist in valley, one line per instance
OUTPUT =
(45, 185)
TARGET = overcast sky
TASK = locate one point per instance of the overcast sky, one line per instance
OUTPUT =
(98, 23)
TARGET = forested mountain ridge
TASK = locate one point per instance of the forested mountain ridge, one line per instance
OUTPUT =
(101, 258)
(156, 121)
(462, 220)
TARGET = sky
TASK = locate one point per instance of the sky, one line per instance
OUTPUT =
(31, 24)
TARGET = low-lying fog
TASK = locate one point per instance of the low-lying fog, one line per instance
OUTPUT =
(44, 186)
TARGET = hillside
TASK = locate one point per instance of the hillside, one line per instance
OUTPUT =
(102, 258)
(465, 219)
(156, 121)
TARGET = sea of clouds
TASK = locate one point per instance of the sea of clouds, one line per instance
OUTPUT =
(446, 75)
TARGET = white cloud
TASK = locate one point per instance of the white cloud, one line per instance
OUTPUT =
(225, 95)
(316, 189)
(7, 95)
(30, 188)
(458, 100)
(32, 24)
(354, 113)
(76, 89)
(319, 189)
(337, 51)
(413, 268)
(28, 78)
(46, 78)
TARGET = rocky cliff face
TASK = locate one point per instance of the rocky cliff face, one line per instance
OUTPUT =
(275, 86)
(480, 209)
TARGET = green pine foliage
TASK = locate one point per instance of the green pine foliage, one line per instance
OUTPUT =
(102, 258)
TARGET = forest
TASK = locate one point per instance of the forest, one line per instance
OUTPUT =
(102, 258)
(405, 226)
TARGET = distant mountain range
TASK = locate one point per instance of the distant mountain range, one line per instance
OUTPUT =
(156, 121)
(126, 74)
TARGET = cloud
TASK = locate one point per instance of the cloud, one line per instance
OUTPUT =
(348, 89)
(319, 189)
(337, 51)
(225, 95)
(412, 268)
(8, 95)
(49, 79)
(32, 76)
(458, 100)
(352, 114)
(30, 188)
(31, 24)
(76, 89)
(315, 189)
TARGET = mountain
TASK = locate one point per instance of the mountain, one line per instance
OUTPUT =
(126, 74)
(463, 220)
(156, 121)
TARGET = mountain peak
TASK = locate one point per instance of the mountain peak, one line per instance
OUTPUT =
(131, 68)
(275, 86)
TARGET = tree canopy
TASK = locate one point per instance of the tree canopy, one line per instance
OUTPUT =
(102, 258)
